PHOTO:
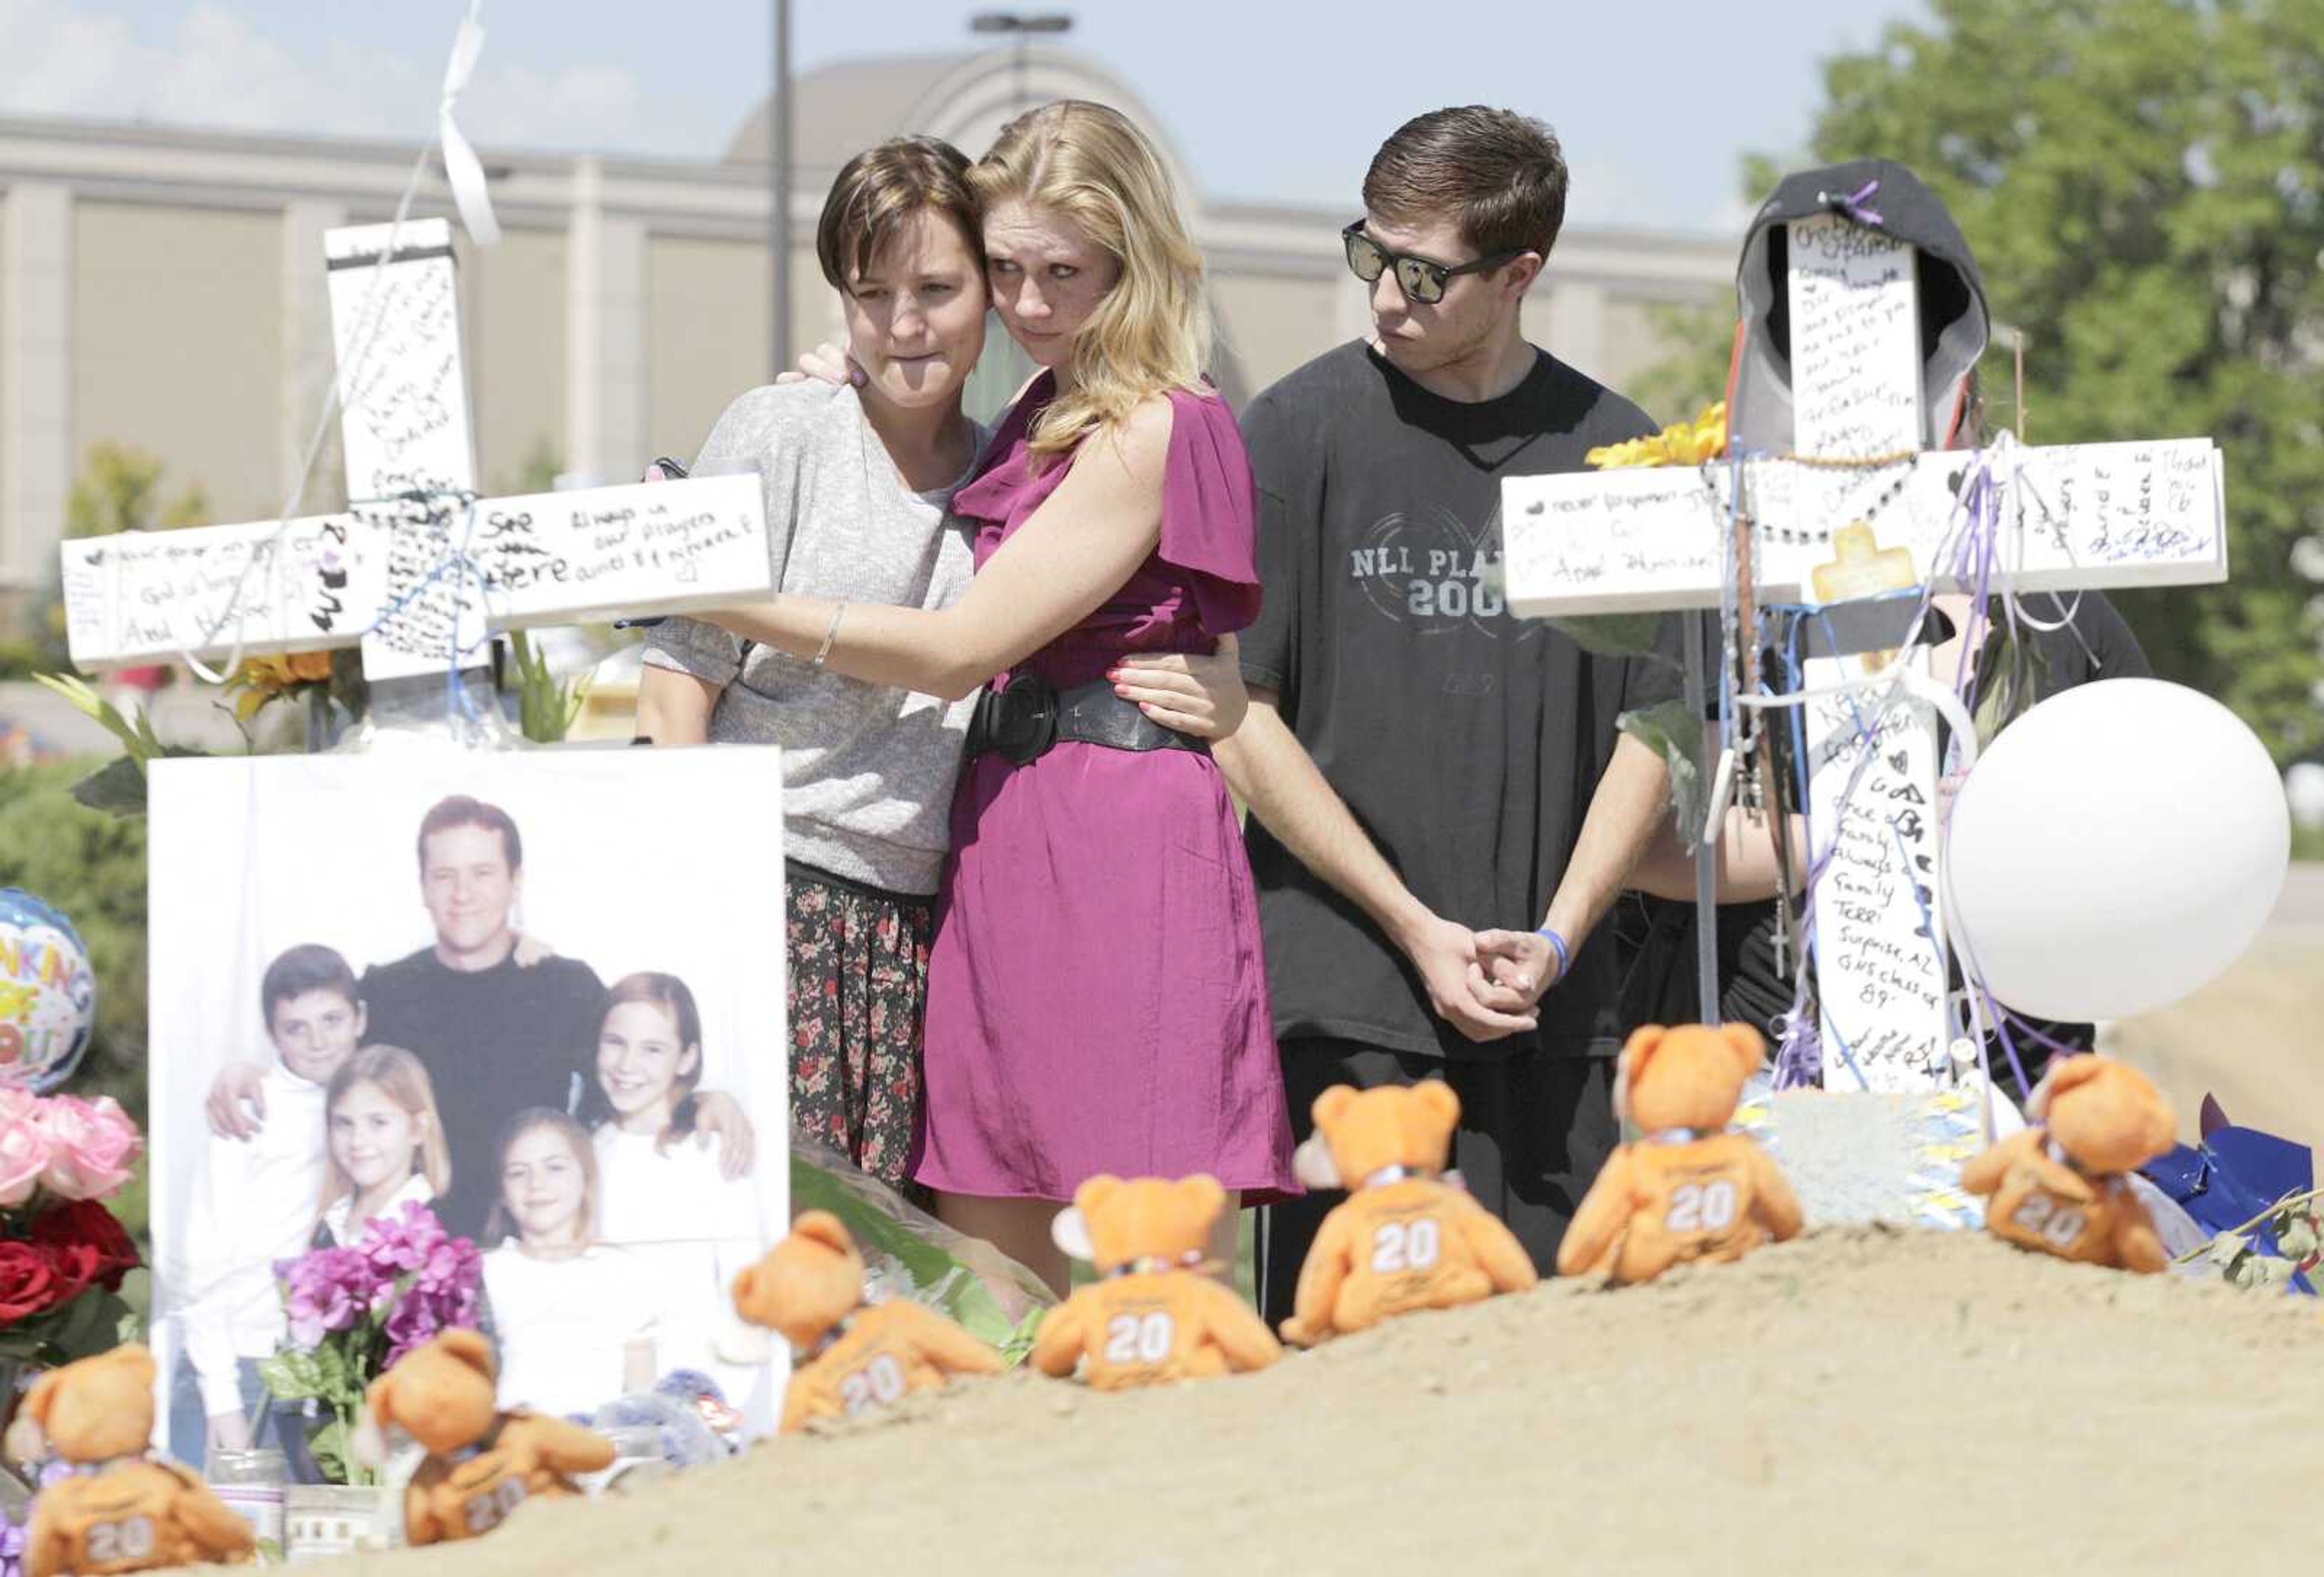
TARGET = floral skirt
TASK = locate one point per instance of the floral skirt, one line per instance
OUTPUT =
(859, 987)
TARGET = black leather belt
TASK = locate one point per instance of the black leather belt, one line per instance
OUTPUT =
(1021, 722)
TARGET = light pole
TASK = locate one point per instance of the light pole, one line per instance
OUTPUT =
(1023, 26)
(779, 193)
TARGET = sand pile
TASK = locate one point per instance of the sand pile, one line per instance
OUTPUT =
(1860, 1400)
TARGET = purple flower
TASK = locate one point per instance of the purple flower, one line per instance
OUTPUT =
(440, 1292)
(401, 1243)
(326, 1290)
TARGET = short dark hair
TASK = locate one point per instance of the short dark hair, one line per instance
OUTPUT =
(308, 967)
(882, 187)
(461, 810)
(1500, 174)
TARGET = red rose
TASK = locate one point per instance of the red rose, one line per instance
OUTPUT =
(28, 1281)
(73, 1265)
(98, 1236)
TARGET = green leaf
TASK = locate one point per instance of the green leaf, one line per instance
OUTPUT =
(118, 787)
(85, 1326)
(329, 1447)
(938, 1280)
(292, 1376)
(1611, 634)
(1670, 731)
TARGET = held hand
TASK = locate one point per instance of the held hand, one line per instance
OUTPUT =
(531, 950)
(1193, 694)
(1522, 961)
(1445, 953)
(231, 1431)
(827, 362)
(236, 1107)
(718, 1115)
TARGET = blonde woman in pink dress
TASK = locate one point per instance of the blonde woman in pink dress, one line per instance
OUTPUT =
(1096, 997)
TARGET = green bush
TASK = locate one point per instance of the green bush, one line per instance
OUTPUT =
(90, 866)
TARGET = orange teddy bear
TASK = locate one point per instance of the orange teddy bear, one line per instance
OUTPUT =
(1155, 1316)
(2058, 1187)
(1688, 1189)
(1403, 1240)
(136, 1514)
(810, 1288)
(482, 1463)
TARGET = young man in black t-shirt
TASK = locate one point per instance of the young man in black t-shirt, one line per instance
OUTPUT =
(1417, 761)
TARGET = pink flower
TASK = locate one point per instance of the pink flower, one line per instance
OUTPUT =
(92, 1146)
(402, 1242)
(24, 1148)
(326, 1290)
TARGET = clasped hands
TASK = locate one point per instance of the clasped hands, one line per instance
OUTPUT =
(1487, 984)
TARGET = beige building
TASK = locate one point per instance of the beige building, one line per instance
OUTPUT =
(165, 289)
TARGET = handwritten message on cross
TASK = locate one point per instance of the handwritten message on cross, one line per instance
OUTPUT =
(1856, 501)
(418, 569)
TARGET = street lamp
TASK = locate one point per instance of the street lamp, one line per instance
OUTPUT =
(1023, 26)
(779, 193)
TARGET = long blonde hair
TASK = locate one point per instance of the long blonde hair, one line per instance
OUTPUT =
(403, 1079)
(1152, 332)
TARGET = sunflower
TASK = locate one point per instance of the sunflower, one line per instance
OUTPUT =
(1682, 443)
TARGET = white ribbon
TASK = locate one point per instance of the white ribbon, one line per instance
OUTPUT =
(462, 170)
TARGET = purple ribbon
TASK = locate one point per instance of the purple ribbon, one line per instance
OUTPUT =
(1853, 204)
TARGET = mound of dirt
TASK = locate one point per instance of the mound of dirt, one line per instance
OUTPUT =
(1860, 1400)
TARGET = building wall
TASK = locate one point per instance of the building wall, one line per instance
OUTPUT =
(512, 297)
(1269, 326)
(11, 530)
(708, 306)
(177, 346)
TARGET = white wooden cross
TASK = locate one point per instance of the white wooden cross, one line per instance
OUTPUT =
(2089, 515)
(411, 570)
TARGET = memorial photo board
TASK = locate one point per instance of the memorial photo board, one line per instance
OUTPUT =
(517, 988)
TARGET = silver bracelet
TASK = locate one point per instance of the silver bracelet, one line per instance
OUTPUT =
(830, 634)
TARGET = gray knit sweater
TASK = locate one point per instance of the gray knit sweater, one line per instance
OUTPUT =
(868, 770)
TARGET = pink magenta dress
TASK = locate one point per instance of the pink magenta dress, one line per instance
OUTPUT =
(1097, 999)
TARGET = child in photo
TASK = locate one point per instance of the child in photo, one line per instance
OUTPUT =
(661, 1197)
(254, 1202)
(386, 1143)
(576, 1319)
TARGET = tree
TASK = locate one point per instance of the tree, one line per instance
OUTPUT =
(119, 489)
(2143, 181)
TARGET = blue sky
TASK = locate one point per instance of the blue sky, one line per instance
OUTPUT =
(1657, 102)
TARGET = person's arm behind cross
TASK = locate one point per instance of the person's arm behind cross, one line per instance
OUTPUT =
(1266, 764)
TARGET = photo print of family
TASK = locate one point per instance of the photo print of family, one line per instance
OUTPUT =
(523, 991)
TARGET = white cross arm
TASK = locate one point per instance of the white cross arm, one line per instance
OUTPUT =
(2082, 515)
(327, 580)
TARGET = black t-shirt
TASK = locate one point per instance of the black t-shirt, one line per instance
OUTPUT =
(1659, 932)
(1466, 742)
(493, 1041)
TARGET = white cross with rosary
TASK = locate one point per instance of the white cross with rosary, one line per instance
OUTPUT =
(419, 569)
(1860, 504)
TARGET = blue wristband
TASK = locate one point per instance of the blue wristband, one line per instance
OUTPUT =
(1565, 954)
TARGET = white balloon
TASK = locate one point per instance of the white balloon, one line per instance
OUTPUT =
(2115, 848)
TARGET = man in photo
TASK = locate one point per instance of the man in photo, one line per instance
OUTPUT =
(497, 1032)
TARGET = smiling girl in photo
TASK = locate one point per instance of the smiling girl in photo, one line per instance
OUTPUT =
(660, 1198)
(576, 1319)
(385, 1142)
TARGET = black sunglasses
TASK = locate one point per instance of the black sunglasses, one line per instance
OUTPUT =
(1421, 279)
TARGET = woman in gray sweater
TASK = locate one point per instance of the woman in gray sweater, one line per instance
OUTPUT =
(857, 482)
